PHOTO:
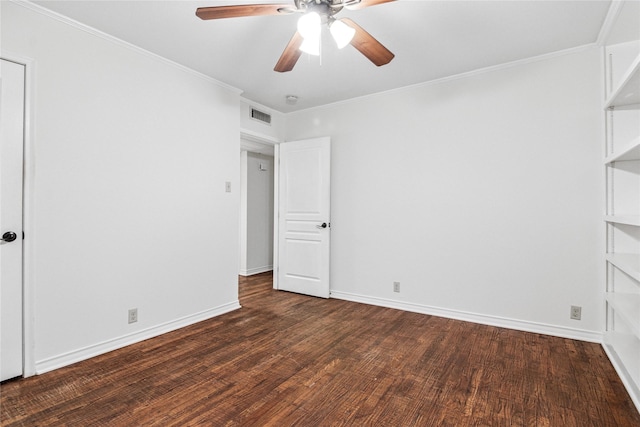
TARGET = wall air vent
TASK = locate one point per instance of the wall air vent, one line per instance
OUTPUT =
(260, 116)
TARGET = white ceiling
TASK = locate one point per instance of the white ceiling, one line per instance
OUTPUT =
(431, 40)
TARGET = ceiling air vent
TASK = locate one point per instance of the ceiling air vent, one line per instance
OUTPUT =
(260, 116)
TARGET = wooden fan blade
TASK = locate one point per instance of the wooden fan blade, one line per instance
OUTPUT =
(368, 45)
(219, 12)
(290, 55)
(366, 3)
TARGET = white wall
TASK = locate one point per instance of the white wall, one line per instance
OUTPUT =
(131, 155)
(481, 195)
(243, 213)
(259, 213)
(256, 213)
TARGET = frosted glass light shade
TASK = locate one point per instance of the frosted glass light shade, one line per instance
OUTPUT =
(309, 25)
(311, 45)
(309, 29)
(342, 33)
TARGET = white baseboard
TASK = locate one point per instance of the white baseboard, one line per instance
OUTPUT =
(74, 356)
(625, 377)
(257, 270)
(520, 325)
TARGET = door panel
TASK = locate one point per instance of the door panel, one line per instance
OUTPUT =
(304, 259)
(304, 192)
(11, 157)
(304, 205)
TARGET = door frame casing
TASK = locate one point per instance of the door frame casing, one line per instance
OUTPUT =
(276, 214)
(251, 142)
(263, 139)
(28, 214)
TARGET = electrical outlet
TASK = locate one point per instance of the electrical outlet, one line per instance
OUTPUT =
(227, 186)
(396, 286)
(576, 312)
(133, 315)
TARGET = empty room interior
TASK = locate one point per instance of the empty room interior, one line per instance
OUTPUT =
(320, 212)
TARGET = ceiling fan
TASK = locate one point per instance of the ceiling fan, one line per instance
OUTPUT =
(307, 37)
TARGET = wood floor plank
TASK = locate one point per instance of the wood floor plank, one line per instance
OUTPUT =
(285, 359)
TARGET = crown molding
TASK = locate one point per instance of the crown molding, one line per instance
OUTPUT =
(460, 76)
(609, 20)
(95, 32)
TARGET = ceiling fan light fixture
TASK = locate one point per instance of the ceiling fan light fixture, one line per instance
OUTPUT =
(308, 37)
(309, 28)
(342, 33)
(311, 45)
(309, 25)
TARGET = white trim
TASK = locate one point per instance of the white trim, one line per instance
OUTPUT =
(265, 140)
(242, 229)
(276, 214)
(85, 353)
(454, 77)
(258, 137)
(95, 32)
(28, 215)
(609, 20)
(626, 379)
(256, 270)
(254, 146)
(502, 322)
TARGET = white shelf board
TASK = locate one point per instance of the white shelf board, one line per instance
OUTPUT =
(625, 361)
(624, 219)
(628, 92)
(628, 307)
(630, 152)
(629, 263)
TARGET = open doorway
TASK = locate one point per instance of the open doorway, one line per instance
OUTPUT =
(256, 208)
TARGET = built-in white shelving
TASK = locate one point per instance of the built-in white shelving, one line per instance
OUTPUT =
(622, 217)
(625, 357)
(628, 153)
(628, 91)
(628, 307)
(627, 263)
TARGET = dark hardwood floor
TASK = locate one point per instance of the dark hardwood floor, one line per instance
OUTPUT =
(287, 359)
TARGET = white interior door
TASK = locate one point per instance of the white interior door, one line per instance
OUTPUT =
(304, 217)
(11, 158)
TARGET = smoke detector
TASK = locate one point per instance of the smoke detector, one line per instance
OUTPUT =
(292, 99)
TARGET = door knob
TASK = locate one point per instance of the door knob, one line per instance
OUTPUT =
(9, 236)
(324, 225)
